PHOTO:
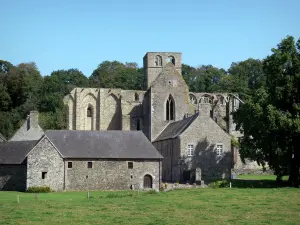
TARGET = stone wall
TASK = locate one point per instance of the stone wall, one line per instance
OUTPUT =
(30, 130)
(45, 166)
(153, 68)
(13, 177)
(169, 84)
(170, 150)
(110, 174)
(205, 134)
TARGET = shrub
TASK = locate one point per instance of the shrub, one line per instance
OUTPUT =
(152, 191)
(38, 190)
(219, 184)
(161, 188)
(120, 194)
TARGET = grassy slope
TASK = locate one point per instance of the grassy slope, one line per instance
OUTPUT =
(194, 206)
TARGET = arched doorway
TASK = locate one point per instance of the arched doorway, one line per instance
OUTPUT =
(147, 181)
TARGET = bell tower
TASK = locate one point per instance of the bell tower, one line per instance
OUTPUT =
(154, 62)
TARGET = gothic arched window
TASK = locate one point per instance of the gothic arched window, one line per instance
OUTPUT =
(89, 112)
(158, 60)
(170, 109)
(136, 97)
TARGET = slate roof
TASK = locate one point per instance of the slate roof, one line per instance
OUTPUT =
(14, 152)
(2, 137)
(174, 129)
(103, 144)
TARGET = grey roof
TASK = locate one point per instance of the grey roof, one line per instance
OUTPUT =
(2, 137)
(14, 152)
(103, 144)
(174, 129)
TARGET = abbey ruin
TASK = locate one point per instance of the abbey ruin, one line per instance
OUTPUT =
(165, 105)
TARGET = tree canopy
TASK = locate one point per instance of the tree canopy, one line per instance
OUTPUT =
(270, 119)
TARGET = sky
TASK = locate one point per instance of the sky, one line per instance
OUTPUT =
(64, 34)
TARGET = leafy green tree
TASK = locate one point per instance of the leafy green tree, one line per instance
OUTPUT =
(203, 79)
(244, 77)
(270, 120)
(114, 74)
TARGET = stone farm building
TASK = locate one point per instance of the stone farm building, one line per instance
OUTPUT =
(80, 160)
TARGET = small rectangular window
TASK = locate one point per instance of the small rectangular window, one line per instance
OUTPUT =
(70, 164)
(219, 150)
(130, 165)
(44, 175)
(90, 165)
(190, 150)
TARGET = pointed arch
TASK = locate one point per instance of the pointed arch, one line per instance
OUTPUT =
(171, 59)
(89, 120)
(170, 108)
(206, 98)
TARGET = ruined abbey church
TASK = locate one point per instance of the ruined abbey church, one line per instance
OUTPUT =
(192, 131)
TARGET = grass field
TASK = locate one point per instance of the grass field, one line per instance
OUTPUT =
(260, 177)
(194, 206)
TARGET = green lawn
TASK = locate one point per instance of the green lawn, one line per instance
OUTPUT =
(195, 206)
(259, 177)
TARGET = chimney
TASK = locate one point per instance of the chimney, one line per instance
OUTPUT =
(205, 109)
(33, 120)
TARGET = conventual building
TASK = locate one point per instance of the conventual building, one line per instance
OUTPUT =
(192, 131)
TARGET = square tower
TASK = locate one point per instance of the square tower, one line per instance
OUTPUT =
(154, 62)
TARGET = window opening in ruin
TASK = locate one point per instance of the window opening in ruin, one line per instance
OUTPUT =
(136, 97)
(44, 175)
(219, 150)
(70, 164)
(89, 112)
(138, 124)
(90, 165)
(171, 59)
(158, 60)
(190, 150)
(130, 165)
(170, 109)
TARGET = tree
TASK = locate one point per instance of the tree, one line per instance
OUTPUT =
(244, 77)
(270, 120)
(114, 74)
(203, 79)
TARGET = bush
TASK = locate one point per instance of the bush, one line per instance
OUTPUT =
(219, 184)
(38, 190)
(120, 194)
(152, 191)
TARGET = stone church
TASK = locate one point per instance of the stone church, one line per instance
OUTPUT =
(192, 131)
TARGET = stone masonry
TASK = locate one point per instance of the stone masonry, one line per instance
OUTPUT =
(45, 166)
(110, 174)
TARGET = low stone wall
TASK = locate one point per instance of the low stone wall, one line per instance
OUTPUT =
(173, 186)
(12, 177)
(252, 171)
